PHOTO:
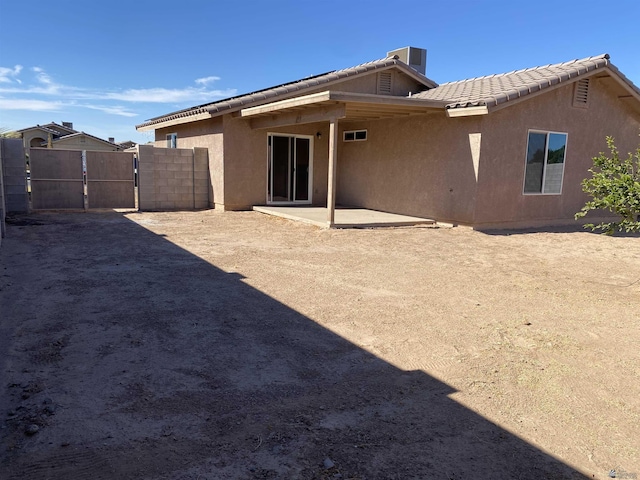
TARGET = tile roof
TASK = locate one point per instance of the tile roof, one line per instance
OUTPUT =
(52, 128)
(493, 90)
(290, 89)
(490, 90)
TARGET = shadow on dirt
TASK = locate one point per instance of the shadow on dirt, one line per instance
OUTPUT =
(163, 366)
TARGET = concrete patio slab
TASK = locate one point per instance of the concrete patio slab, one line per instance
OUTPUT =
(344, 217)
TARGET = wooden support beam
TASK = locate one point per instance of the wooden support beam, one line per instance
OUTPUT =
(312, 99)
(333, 171)
(321, 114)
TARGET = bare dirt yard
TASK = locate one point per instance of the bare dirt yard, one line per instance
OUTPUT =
(204, 345)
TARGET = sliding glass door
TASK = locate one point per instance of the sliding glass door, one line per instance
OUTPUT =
(290, 167)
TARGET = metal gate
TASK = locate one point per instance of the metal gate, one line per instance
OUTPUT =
(76, 180)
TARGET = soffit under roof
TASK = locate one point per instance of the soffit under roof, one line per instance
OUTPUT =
(352, 107)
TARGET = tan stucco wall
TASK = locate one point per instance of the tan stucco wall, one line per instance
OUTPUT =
(462, 170)
(401, 84)
(238, 159)
(414, 166)
(403, 167)
(89, 143)
(425, 165)
(246, 154)
(30, 135)
(500, 201)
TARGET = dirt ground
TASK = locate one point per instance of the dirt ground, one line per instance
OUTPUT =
(207, 345)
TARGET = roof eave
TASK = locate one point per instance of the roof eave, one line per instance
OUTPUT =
(332, 96)
(623, 81)
(149, 127)
(289, 90)
(470, 111)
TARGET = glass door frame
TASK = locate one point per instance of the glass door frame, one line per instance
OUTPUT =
(292, 182)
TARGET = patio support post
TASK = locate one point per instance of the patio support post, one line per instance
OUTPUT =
(333, 159)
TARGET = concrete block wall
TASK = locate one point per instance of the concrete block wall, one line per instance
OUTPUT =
(172, 178)
(16, 198)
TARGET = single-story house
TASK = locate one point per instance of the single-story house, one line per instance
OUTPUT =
(505, 151)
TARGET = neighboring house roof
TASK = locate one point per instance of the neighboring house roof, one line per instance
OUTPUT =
(127, 144)
(83, 134)
(52, 128)
(38, 127)
(60, 128)
(287, 90)
(494, 90)
(61, 133)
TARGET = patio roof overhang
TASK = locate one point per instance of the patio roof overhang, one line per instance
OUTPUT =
(334, 107)
(328, 105)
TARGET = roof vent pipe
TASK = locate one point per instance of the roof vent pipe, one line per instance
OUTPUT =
(416, 58)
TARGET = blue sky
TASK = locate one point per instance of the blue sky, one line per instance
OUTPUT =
(107, 66)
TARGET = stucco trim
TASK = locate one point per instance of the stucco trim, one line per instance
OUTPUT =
(468, 111)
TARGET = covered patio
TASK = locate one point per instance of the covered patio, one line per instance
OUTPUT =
(344, 217)
(332, 107)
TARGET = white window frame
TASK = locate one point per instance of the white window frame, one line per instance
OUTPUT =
(172, 140)
(544, 169)
(355, 134)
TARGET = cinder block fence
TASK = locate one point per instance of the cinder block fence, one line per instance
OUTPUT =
(172, 178)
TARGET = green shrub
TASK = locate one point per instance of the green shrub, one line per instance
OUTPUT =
(615, 187)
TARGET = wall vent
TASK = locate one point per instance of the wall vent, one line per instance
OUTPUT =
(385, 83)
(581, 93)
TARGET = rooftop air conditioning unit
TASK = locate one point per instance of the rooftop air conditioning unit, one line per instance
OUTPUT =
(416, 58)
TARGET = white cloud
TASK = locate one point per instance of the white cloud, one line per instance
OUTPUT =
(33, 105)
(117, 110)
(42, 76)
(206, 80)
(33, 90)
(29, 92)
(46, 86)
(166, 95)
(8, 75)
